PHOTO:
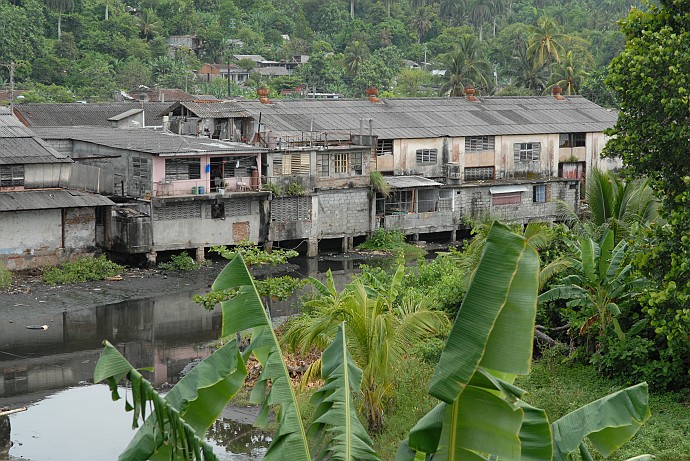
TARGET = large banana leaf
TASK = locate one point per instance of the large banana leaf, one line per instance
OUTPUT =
(246, 311)
(495, 323)
(184, 415)
(608, 422)
(336, 428)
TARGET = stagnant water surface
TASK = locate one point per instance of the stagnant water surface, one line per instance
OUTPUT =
(70, 419)
(51, 371)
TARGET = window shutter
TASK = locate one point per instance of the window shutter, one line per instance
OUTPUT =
(516, 151)
(536, 151)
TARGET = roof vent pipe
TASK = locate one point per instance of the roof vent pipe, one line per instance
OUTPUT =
(263, 95)
(371, 127)
(361, 127)
(371, 92)
(556, 92)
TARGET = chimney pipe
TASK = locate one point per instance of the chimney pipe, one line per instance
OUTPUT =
(469, 93)
(371, 92)
(556, 93)
(371, 127)
(263, 95)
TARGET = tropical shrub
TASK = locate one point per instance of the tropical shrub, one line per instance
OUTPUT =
(181, 262)
(82, 270)
(391, 241)
(481, 415)
(252, 254)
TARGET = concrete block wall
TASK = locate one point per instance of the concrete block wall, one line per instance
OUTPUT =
(343, 212)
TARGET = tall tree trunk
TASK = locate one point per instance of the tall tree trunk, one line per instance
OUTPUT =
(59, 24)
(352, 9)
(107, 5)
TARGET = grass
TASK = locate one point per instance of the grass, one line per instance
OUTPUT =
(5, 278)
(392, 241)
(560, 387)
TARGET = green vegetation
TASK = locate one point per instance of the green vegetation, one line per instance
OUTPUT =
(253, 255)
(274, 188)
(82, 270)
(180, 262)
(89, 49)
(391, 241)
(481, 411)
(5, 278)
(279, 288)
(378, 182)
(294, 189)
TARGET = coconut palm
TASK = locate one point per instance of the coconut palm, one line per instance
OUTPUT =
(613, 204)
(480, 13)
(355, 53)
(526, 73)
(149, 24)
(421, 22)
(568, 75)
(544, 42)
(60, 6)
(379, 331)
(464, 66)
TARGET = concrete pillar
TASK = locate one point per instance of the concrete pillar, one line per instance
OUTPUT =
(200, 257)
(312, 267)
(151, 258)
(312, 247)
(348, 244)
(268, 245)
(5, 441)
(454, 235)
(415, 237)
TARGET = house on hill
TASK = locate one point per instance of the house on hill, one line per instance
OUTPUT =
(51, 209)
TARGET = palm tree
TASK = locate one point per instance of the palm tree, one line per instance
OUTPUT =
(421, 22)
(149, 24)
(378, 329)
(453, 10)
(526, 73)
(568, 75)
(60, 6)
(355, 53)
(544, 46)
(613, 204)
(465, 66)
(480, 13)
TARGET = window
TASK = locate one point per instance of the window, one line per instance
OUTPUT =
(11, 175)
(356, 163)
(322, 164)
(479, 143)
(479, 173)
(182, 168)
(572, 140)
(527, 151)
(539, 193)
(384, 146)
(510, 198)
(140, 169)
(340, 163)
(426, 155)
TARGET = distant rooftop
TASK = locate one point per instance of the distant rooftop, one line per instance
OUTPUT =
(76, 114)
(20, 145)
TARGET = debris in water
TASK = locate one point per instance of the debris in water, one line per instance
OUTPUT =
(37, 327)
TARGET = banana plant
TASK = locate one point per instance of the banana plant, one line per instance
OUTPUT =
(599, 283)
(482, 415)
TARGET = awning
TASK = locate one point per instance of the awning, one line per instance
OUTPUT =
(507, 189)
(410, 182)
(47, 199)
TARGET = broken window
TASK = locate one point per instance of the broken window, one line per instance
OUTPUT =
(572, 140)
(140, 168)
(177, 169)
(356, 163)
(11, 175)
(426, 155)
(322, 165)
(384, 147)
(479, 143)
(527, 151)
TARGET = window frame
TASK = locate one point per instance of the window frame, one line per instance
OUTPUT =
(323, 165)
(527, 152)
(426, 156)
(476, 173)
(193, 167)
(384, 147)
(12, 175)
(480, 143)
(340, 163)
(539, 193)
(572, 140)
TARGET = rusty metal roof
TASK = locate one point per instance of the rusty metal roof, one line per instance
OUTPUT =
(75, 114)
(155, 142)
(46, 199)
(223, 109)
(20, 145)
(409, 118)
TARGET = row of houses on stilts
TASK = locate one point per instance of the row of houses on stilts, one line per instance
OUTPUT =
(297, 172)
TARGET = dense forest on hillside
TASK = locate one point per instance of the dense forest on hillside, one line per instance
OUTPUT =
(70, 50)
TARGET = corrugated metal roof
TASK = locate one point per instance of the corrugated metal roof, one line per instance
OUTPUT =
(147, 140)
(50, 199)
(434, 117)
(125, 114)
(404, 182)
(20, 145)
(75, 114)
(224, 109)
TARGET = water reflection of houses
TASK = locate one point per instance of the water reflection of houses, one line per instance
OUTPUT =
(164, 332)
